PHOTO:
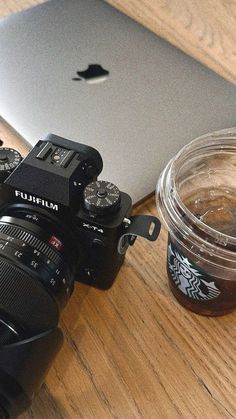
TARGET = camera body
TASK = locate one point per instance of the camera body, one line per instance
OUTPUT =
(53, 178)
(58, 224)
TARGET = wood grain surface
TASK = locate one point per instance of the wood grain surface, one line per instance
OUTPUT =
(133, 351)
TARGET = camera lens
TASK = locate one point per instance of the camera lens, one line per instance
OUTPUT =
(36, 269)
(8, 333)
(37, 265)
(3, 414)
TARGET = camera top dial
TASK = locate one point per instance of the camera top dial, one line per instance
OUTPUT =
(9, 160)
(102, 198)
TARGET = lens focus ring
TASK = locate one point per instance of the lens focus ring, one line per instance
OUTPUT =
(45, 281)
(25, 301)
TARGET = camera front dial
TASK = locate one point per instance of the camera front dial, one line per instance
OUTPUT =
(102, 198)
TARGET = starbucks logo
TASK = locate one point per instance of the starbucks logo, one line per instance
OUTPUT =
(188, 279)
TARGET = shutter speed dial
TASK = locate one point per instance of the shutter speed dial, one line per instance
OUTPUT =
(101, 197)
(9, 160)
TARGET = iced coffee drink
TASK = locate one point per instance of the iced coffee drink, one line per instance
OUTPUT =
(196, 196)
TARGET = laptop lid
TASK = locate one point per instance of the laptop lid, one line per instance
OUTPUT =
(83, 70)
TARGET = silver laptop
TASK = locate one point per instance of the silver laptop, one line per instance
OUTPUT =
(83, 70)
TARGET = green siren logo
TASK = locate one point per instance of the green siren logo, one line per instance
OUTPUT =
(188, 279)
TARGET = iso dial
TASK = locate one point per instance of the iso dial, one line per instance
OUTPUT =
(9, 160)
(101, 197)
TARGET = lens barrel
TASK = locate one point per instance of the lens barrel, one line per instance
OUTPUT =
(37, 265)
(8, 333)
(3, 413)
(36, 270)
(23, 368)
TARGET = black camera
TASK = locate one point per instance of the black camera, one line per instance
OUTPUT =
(58, 224)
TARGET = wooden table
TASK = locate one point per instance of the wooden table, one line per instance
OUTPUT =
(133, 351)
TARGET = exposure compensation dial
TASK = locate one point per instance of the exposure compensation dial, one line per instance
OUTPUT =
(102, 198)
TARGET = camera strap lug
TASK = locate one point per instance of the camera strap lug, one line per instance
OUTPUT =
(146, 226)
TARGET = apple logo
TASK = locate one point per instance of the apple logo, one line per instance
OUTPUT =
(95, 73)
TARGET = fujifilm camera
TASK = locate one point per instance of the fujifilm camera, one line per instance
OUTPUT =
(58, 224)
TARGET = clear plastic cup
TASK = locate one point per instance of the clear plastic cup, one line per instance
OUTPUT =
(196, 198)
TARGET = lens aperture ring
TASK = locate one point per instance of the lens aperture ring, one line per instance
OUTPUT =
(49, 267)
(26, 237)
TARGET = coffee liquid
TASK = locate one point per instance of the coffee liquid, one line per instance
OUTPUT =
(199, 285)
(215, 208)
